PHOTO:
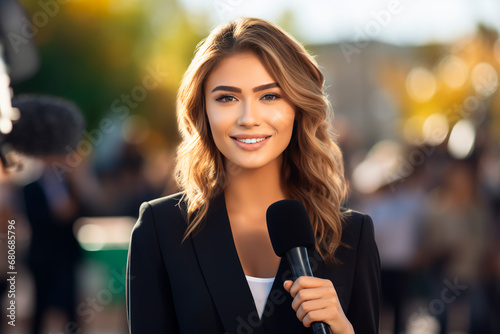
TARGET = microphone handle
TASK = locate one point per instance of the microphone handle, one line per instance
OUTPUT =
(299, 263)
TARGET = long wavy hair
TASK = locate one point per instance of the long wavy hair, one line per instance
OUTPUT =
(312, 163)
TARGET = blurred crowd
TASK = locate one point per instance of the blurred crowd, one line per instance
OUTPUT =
(46, 209)
(437, 230)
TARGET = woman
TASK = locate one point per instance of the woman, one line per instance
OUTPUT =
(256, 129)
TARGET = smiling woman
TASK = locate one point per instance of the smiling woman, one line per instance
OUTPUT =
(250, 119)
(256, 129)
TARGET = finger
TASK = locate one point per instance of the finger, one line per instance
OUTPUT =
(312, 294)
(312, 306)
(321, 315)
(287, 285)
(307, 282)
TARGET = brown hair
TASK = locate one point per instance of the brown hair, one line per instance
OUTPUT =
(312, 163)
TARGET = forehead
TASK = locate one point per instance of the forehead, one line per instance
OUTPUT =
(243, 70)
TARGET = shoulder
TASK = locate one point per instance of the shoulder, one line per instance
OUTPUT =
(169, 206)
(357, 234)
(166, 201)
(162, 213)
(355, 224)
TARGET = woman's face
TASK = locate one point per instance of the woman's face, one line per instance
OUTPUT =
(250, 118)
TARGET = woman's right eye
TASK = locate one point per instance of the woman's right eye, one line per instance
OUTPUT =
(225, 98)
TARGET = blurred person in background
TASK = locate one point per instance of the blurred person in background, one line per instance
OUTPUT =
(18, 62)
(123, 184)
(51, 206)
(396, 207)
(490, 181)
(457, 236)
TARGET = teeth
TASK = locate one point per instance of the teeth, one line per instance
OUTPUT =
(251, 141)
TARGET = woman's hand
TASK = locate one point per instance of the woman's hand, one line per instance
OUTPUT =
(315, 299)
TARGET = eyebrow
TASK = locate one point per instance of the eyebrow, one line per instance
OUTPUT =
(238, 90)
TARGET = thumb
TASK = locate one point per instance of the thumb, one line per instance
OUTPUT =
(287, 285)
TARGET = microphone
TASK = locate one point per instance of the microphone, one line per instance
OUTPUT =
(48, 125)
(291, 234)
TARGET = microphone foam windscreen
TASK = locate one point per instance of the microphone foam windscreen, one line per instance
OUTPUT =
(289, 226)
(48, 125)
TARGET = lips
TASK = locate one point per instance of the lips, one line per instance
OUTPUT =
(254, 136)
(251, 142)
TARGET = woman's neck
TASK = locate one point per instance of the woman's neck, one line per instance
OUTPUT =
(250, 189)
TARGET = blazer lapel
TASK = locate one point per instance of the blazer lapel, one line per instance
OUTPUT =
(278, 315)
(224, 276)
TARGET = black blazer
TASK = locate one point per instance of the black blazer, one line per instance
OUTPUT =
(199, 286)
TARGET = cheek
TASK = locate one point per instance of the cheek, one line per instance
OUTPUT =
(219, 121)
(213, 117)
(282, 119)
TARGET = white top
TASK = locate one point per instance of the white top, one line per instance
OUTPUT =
(260, 288)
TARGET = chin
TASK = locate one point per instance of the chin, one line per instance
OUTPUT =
(253, 164)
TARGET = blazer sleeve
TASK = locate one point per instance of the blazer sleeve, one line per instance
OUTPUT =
(150, 306)
(364, 307)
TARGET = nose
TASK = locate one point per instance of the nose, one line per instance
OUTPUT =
(249, 115)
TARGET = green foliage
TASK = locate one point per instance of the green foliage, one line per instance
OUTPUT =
(93, 51)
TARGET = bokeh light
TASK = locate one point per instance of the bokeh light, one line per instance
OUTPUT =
(453, 71)
(379, 167)
(484, 79)
(421, 84)
(97, 233)
(435, 129)
(91, 237)
(462, 139)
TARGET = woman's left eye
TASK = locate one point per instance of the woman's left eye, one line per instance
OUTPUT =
(271, 97)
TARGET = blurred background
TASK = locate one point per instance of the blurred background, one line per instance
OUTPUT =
(414, 85)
